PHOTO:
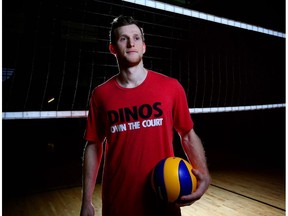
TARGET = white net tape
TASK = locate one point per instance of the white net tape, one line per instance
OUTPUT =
(84, 113)
(205, 16)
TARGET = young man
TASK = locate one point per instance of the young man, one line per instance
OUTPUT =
(135, 112)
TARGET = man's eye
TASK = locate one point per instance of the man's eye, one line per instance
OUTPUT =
(122, 39)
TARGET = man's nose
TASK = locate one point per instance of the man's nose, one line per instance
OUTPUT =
(131, 42)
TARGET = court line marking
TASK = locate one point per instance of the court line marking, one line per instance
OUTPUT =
(251, 198)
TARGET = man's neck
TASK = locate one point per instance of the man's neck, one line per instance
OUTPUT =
(132, 77)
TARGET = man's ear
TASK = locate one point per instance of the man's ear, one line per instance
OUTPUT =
(112, 49)
(144, 47)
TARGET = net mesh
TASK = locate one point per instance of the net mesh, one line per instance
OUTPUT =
(60, 53)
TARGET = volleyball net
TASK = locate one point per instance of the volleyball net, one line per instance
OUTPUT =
(51, 67)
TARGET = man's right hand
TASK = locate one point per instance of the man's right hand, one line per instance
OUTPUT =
(87, 209)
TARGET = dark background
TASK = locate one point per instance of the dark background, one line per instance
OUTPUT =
(60, 49)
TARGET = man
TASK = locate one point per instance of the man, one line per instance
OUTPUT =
(135, 113)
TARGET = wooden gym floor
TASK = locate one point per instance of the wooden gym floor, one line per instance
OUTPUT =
(238, 192)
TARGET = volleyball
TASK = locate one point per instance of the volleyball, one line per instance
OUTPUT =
(172, 178)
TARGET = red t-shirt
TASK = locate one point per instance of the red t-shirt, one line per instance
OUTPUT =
(138, 126)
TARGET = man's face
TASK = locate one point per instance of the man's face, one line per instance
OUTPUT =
(129, 46)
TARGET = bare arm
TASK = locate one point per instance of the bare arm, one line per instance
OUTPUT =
(91, 163)
(194, 150)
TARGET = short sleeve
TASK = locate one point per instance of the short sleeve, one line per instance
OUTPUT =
(183, 122)
(95, 126)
